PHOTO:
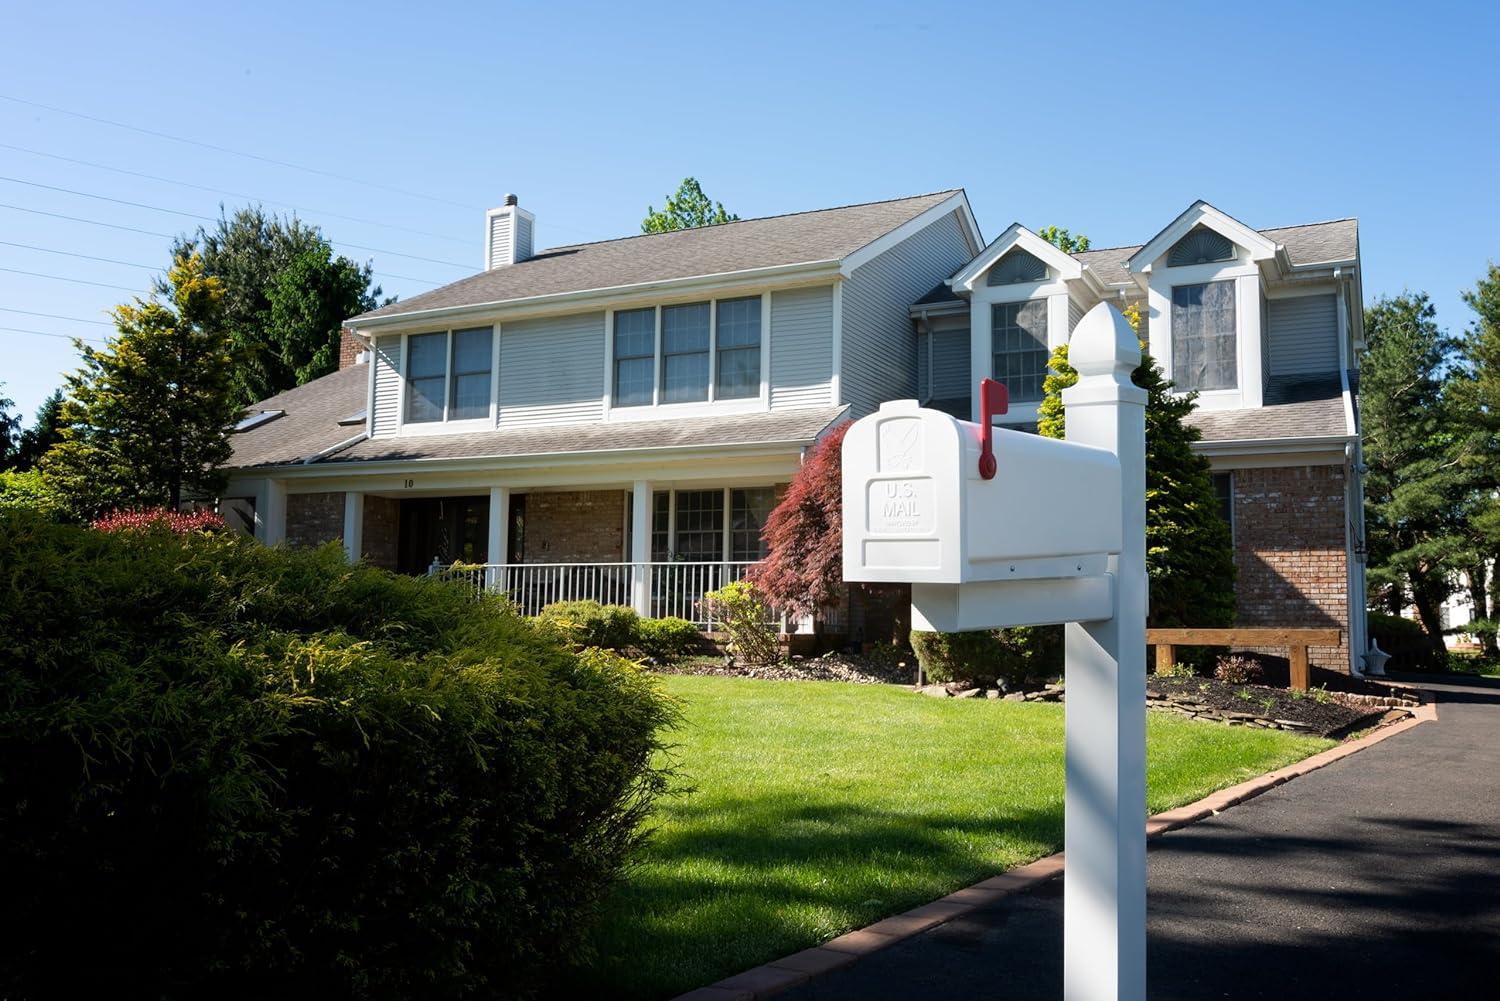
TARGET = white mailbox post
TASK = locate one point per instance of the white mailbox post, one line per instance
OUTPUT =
(995, 528)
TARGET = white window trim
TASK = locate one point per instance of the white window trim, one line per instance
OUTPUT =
(1249, 389)
(407, 428)
(726, 534)
(981, 334)
(657, 408)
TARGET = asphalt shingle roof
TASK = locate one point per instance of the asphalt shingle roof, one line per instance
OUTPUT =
(310, 423)
(787, 427)
(773, 241)
(1299, 407)
(1313, 243)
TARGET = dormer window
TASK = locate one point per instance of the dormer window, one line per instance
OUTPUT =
(1016, 267)
(1018, 338)
(1203, 336)
(448, 375)
(1201, 246)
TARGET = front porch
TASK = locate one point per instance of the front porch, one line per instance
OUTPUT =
(656, 548)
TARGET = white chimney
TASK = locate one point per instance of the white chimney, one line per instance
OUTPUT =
(507, 234)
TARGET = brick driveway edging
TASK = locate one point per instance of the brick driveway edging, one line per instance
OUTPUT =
(787, 972)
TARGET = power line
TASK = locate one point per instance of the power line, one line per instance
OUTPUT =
(231, 152)
(203, 218)
(55, 316)
(232, 194)
(46, 333)
(76, 281)
(91, 222)
(86, 257)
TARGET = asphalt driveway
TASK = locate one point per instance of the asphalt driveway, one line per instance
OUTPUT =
(1375, 877)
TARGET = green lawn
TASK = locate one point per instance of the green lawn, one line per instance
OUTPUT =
(806, 809)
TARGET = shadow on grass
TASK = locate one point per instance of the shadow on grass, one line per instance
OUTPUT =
(745, 880)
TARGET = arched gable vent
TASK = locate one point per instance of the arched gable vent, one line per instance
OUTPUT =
(1017, 266)
(1201, 246)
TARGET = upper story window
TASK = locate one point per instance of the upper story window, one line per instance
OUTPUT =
(1201, 246)
(684, 353)
(690, 353)
(1017, 266)
(1018, 339)
(635, 357)
(1203, 336)
(448, 375)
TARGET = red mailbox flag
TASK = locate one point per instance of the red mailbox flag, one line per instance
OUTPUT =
(993, 401)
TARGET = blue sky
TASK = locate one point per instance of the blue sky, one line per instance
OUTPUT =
(414, 118)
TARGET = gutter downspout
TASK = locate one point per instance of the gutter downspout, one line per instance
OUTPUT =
(331, 449)
(1354, 494)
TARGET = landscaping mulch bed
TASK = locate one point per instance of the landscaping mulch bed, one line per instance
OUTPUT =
(888, 670)
(1305, 712)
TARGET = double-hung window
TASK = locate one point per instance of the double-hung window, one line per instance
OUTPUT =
(635, 357)
(738, 346)
(684, 353)
(1019, 342)
(448, 375)
(1203, 336)
(693, 352)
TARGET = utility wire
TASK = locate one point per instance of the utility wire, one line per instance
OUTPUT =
(55, 316)
(150, 267)
(86, 257)
(46, 333)
(91, 222)
(76, 281)
(203, 218)
(231, 152)
(231, 194)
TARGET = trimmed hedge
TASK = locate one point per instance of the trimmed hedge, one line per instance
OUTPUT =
(232, 771)
(587, 623)
(1007, 657)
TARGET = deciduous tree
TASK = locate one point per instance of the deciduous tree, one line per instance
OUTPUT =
(688, 208)
(803, 572)
(145, 419)
(286, 294)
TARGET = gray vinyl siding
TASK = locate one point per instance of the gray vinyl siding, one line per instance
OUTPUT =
(523, 238)
(552, 370)
(500, 237)
(802, 348)
(879, 356)
(1304, 335)
(1075, 313)
(950, 364)
(387, 407)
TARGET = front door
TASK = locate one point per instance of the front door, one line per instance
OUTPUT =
(447, 529)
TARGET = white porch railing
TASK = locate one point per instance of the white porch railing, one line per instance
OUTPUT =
(667, 589)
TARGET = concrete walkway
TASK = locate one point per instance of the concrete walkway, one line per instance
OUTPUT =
(1375, 877)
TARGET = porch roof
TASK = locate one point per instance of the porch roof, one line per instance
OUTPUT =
(308, 421)
(1295, 407)
(791, 428)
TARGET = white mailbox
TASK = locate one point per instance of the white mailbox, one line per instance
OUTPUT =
(1029, 544)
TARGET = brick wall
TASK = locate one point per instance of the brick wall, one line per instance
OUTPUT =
(1289, 549)
(382, 524)
(349, 349)
(313, 519)
(584, 526)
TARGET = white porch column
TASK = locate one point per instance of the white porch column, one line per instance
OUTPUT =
(270, 512)
(499, 529)
(354, 525)
(1104, 889)
(640, 547)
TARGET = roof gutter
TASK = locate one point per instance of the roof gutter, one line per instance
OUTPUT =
(584, 296)
(1246, 446)
(333, 449)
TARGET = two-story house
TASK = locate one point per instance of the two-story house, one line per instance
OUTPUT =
(614, 420)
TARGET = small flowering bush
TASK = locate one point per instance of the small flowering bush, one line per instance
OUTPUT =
(743, 614)
(147, 519)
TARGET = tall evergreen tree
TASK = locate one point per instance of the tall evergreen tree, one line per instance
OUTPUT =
(145, 418)
(10, 433)
(1479, 406)
(1189, 550)
(44, 432)
(286, 294)
(1415, 486)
